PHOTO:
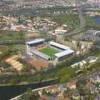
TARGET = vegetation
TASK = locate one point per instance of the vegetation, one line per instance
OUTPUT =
(4, 64)
(71, 20)
(91, 23)
(29, 95)
(11, 35)
(49, 51)
(62, 73)
(7, 51)
(66, 74)
(12, 50)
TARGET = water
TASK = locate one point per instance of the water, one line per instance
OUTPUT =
(8, 92)
(97, 19)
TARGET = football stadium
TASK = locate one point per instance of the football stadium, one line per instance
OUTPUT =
(49, 51)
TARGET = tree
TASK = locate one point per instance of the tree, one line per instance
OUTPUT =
(65, 74)
(27, 95)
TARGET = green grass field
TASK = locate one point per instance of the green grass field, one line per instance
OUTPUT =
(49, 51)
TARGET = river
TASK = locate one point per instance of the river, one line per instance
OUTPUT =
(97, 20)
(8, 92)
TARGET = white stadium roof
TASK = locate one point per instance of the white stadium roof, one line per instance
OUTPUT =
(64, 53)
(35, 41)
(67, 50)
(59, 45)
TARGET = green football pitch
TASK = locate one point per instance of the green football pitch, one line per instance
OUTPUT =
(49, 51)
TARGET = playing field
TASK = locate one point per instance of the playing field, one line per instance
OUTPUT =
(49, 51)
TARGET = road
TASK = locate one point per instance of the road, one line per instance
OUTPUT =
(10, 42)
(75, 32)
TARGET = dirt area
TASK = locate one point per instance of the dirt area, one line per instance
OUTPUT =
(37, 63)
(32, 35)
(3, 48)
(14, 63)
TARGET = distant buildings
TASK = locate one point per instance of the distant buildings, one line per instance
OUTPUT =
(91, 35)
(18, 4)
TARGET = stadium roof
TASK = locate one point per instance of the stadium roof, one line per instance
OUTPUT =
(59, 45)
(64, 53)
(35, 41)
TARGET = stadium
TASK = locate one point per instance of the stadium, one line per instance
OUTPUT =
(49, 51)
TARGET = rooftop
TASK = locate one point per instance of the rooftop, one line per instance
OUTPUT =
(66, 52)
(59, 45)
(35, 41)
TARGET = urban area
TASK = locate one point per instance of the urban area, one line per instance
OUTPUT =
(49, 49)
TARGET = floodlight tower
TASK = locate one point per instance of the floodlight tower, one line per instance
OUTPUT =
(81, 15)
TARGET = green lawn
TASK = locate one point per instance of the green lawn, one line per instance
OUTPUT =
(11, 35)
(49, 51)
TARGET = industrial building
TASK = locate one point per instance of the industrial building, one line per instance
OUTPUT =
(91, 35)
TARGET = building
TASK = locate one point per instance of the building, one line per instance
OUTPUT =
(91, 35)
(50, 51)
